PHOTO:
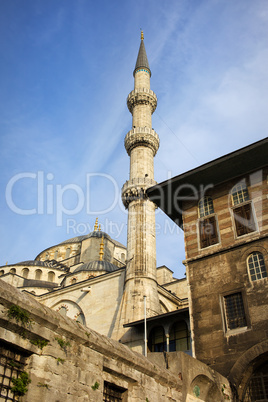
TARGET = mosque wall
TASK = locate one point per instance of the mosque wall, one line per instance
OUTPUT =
(66, 361)
(98, 300)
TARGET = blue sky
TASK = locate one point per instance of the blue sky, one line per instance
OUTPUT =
(66, 70)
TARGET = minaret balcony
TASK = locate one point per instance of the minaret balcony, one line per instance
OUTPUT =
(135, 189)
(142, 136)
(142, 96)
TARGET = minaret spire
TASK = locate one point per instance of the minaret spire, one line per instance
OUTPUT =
(141, 144)
(142, 60)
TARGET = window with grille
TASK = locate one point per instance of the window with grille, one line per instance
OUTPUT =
(113, 393)
(257, 387)
(256, 266)
(242, 210)
(205, 207)
(235, 316)
(239, 193)
(208, 232)
(12, 363)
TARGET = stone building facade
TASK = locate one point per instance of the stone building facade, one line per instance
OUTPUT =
(222, 207)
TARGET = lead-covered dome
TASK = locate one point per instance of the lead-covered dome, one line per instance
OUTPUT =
(97, 266)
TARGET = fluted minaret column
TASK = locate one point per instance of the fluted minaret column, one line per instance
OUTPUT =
(141, 144)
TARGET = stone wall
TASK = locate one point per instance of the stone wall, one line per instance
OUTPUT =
(75, 362)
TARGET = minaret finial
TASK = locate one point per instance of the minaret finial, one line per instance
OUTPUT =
(142, 36)
(99, 228)
(101, 249)
(96, 225)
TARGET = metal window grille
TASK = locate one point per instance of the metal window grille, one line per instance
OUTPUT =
(257, 388)
(239, 193)
(12, 363)
(205, 207)
(112, 393)
(235, 312)
(256, 266)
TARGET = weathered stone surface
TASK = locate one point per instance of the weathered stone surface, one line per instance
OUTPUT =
(68, 373)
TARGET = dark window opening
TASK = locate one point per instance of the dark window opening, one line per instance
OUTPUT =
(244, 220)
(113, 393)
(179, 338)
(257, 388)
(157, 340)
(235, 312)
(208, 232)
(12, 363)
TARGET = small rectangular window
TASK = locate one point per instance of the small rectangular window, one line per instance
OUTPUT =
(208, 232)
(113, 393)
(235, 316)
(12, 362)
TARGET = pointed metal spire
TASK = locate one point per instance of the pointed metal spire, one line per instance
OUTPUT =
(96, 225)
(142, 61)
(101, 249)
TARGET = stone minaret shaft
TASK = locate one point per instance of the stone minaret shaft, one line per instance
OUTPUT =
(141, 144)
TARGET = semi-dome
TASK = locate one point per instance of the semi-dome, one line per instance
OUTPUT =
(97, 266)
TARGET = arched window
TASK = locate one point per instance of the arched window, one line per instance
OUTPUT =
(25, 272)
(68, 252)
(51, 276)
(47, 256)
(13, 271)
(2, 272)
(257, 389)
(242, 210)
(73, 281)
(239, 193)
(56, 254)
(38, 274)
(205, 207)
(157, 340)
(208, 232)
(179, 337)
(256, 266)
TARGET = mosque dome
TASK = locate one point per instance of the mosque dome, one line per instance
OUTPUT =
(97, 234)
(97, 266)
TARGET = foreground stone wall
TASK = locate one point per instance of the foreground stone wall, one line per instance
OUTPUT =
(69, 362)
(75, 362)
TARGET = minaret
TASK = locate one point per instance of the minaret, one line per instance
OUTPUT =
(141, 144)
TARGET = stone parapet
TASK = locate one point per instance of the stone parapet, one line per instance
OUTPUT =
(142, 136)
(142, 96)
(135, 189)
